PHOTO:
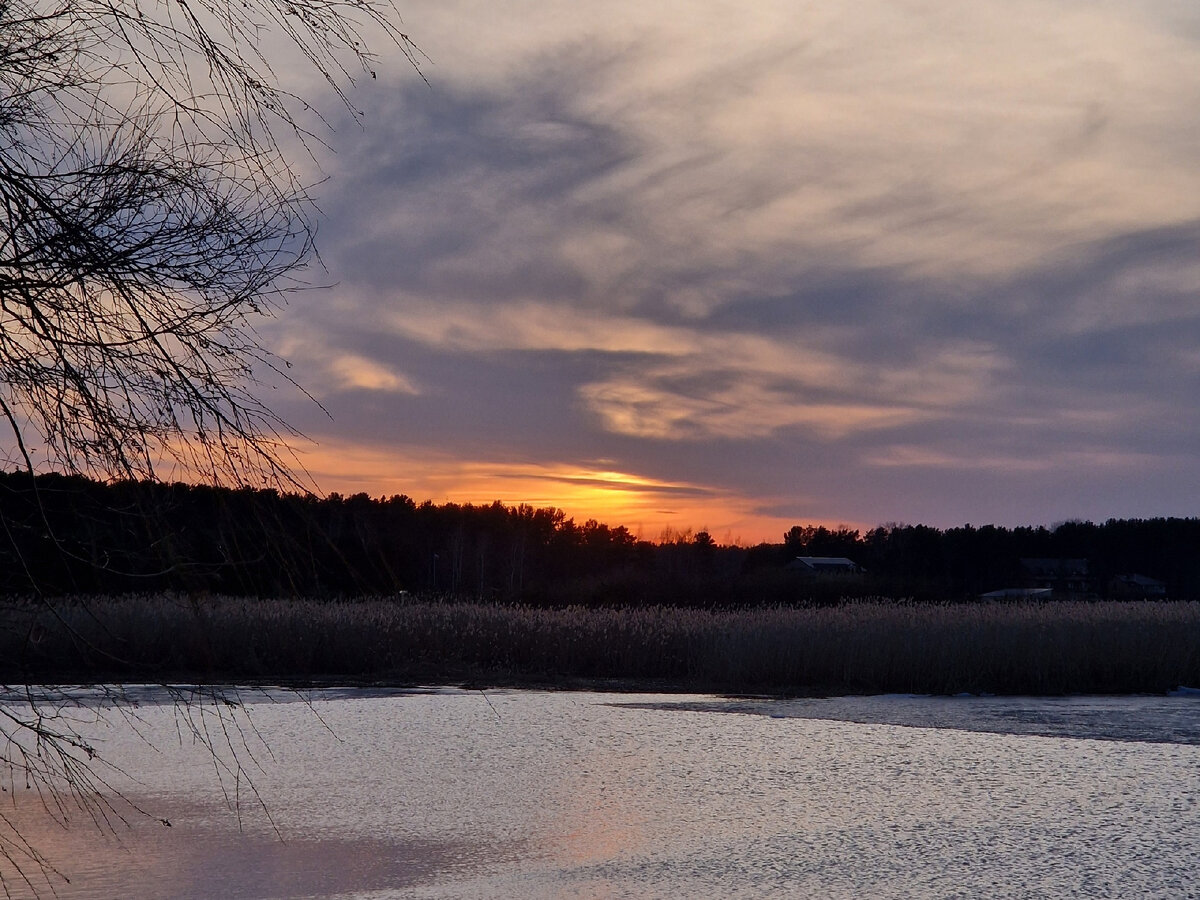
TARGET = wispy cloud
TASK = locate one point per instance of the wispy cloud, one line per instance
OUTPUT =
(337, 369)
(924, 457)
(880, 260)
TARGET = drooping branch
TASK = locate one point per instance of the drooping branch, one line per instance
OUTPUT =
(151, 209)
(148, 214)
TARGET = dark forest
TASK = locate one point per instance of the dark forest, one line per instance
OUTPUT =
(69, 535)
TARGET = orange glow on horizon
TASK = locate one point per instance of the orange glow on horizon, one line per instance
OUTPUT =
(647, 507)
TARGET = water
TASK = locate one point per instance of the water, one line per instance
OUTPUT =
(545, 795)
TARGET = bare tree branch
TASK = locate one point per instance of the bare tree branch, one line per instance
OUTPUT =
(149, 214)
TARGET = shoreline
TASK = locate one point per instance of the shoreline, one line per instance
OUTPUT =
(614, 685)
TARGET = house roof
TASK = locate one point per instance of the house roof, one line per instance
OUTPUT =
(1016, 593)
(822, 562)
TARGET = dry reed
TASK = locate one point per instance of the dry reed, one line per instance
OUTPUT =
(862, 646)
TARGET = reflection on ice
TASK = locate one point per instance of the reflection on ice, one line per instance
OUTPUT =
(197, 859)
(380, 795)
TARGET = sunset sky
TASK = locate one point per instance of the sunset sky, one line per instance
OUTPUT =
(742, 266)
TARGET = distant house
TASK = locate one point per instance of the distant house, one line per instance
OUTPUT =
(824, 565)
(1018, 594)
(1133, 587)
(1062, 576)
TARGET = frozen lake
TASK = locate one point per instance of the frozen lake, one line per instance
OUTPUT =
(450, 793)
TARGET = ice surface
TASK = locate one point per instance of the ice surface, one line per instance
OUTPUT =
(1170, 719)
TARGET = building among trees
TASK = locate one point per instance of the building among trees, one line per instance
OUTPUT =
(824, 565)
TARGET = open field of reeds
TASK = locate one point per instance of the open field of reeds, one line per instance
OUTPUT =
(857, 647)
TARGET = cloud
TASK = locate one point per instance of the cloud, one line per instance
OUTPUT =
(487, 326)
(333, 369)
(902, 456)
(860, 263)
(741, 411)
(918, 136)
(686, 382)
(592, 489)
(349, 372)
(620, 164)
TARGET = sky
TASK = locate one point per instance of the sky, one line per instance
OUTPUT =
(737, 267)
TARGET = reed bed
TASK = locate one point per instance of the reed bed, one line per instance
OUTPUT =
(866, 646)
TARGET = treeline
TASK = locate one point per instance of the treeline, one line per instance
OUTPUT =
(63, 535)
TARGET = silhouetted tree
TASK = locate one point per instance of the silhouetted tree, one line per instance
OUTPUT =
(148, 212)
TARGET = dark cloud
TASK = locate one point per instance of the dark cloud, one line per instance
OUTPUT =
(457, 169)
(636, 487)
(823, 290)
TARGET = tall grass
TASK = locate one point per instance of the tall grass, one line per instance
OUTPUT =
(862, 646)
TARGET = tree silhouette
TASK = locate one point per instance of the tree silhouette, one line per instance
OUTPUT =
(150, 210)
(148, 213)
